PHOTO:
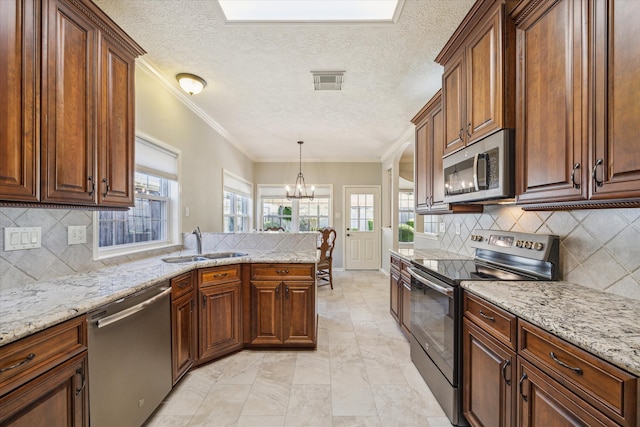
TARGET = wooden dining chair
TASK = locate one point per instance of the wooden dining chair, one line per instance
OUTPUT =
(325, 265)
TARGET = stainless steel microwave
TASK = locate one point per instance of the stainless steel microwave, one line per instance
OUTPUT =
(482, 171)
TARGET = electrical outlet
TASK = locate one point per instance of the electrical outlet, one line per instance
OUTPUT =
(76, 234)
(442, 227)
(458, 229)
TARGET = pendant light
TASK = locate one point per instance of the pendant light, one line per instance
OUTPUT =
(300, 190)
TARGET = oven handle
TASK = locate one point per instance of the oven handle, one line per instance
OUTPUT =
(420, 278)
(407, 287)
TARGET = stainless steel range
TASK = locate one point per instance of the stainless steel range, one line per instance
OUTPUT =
(436, 303)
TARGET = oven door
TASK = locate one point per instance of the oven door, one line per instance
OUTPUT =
(433, 320)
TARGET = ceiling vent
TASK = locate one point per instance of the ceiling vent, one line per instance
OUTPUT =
(327, 80)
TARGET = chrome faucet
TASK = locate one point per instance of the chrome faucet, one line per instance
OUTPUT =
(198, 234)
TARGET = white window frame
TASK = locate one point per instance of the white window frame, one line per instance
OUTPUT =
(173, 210)
(235, 184)
(321, 190)
(410, 209)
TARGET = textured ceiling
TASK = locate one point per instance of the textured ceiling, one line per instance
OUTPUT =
(260, 89)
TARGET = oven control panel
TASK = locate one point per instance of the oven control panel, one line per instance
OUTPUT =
(535, 246)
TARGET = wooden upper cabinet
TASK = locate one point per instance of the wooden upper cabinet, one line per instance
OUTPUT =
(615, 163)
(551, 112)
(19, 68)
(67, 133)
(422, 172)
(68, 94)
(478, 84)
(116, 156)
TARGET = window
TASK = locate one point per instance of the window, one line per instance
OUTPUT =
(152, 222)
(296, 214)
(431, 224)
(406, 217)
(361, 217)
(237, 203)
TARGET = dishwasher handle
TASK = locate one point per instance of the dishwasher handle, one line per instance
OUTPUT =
(131, 310)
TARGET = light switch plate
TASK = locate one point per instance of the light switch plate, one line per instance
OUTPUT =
(442, 227)
(19, 238)
(76, 234)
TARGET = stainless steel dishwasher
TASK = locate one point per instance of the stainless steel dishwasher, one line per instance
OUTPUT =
(129, 357)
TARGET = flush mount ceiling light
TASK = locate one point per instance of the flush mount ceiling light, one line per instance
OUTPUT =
(328, 80)
(191, 83)
(311, 10)
(300, 190)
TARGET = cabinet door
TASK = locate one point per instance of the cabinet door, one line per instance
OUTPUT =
(57, 398)
(484, 73)
(183, 339)
(405, 318)
(394, 298)
(453, 104)
(551, 111)
(488, 371)
(266, 312)
(219, 320)
(116, 130)
(437, 170)
(68, 112)
(615, 100)
(19, 60)
(422, 170)
(298, 313)
(543, 402)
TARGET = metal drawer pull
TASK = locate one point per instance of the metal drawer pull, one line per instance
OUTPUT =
(489, 318)
(564, 365)
(183, 285)
(522, 378)
(27, 359)
(219, 275)
(286, 292)
(504, 371)
(80, 372)
(278, 292)
(282, 271)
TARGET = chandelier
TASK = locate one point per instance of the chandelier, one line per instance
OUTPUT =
(300, 190)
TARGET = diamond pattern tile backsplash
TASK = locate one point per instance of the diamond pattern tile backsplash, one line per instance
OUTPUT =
(599, 248)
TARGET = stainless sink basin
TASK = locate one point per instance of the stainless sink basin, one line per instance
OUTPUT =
(205, 257)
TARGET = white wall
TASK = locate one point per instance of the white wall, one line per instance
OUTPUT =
(205, 152)
(336, 174)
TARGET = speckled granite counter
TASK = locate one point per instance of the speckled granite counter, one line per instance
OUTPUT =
(31, 308)
(601, 323)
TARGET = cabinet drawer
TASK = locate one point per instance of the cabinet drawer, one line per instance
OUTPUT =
(611, 390)
(215, 275)
(181, 285)
(282, 272)
(29, 357)
(395, 262)
(497, 322)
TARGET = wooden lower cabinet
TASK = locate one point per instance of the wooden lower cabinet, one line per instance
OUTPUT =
(394, 294)
(43, 378)
(220, 320)
(400, 293)
(282, 301)
(183, 328)
(489, 370)
(405, 318)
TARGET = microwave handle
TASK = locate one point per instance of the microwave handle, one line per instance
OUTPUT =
(479, 168)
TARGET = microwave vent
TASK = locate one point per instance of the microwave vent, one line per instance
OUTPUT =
(327, 80)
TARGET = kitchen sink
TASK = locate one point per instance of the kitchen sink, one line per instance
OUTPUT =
(204, 257)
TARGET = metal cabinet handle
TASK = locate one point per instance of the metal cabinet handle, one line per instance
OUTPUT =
(504, 371)
(564, 365)
(573, 174)
(278, 292)
(108, 187)
(489, 318)
(80, 372)
(183, 285)
(204, 301)
(220, 275)
(468, 127)
(460, 134)
(522, 378)
(594, 175)
(286, 292)
(282, 271)
(93, 185)
(27, 359)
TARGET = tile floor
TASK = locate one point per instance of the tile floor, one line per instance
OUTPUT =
(360, 375)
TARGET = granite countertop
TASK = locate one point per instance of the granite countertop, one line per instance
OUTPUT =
(37, 306)
(601, 323)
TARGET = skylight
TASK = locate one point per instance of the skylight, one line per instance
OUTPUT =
(310, 10)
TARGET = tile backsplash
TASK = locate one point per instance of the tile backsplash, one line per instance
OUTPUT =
(599, 248)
